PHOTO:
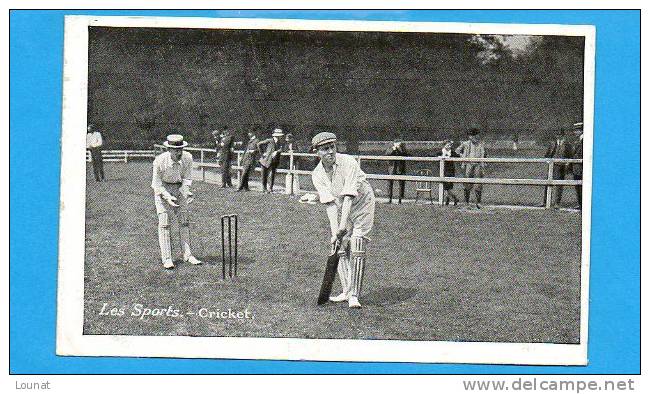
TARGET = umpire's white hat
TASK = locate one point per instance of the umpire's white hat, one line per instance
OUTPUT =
(175, 141)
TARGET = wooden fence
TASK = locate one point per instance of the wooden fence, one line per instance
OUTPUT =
(381, 146)
(123, 155)
(547, 182)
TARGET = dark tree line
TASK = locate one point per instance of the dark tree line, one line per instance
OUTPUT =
(145, 83)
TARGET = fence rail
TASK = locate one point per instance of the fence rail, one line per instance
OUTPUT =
(422, 145)
(122, 155)
(547, 182)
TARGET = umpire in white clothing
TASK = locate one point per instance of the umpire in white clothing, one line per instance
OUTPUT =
(171, 181)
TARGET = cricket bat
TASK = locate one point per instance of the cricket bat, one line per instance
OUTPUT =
(330, 274)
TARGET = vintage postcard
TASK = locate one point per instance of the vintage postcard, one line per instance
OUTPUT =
(326, 190)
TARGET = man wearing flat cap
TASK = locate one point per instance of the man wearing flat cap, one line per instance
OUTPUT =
(471, 149)
(171, 181)
(344, 190)
(270, 159)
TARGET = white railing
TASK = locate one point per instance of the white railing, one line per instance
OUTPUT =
(547, 182)
(122, 155)
(381, 146)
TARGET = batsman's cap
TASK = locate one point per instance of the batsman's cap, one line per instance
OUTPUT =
(322, 139)
(473, 131)
(277, 133)
(175, 141)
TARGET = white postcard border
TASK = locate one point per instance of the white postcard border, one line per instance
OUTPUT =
(70, 302)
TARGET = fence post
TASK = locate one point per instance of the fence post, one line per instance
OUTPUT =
(202, 166)
(126, 156)
(441, 190)
(549, 188)
(239, 170)
(291, 176)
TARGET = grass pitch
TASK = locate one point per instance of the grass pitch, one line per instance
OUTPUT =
(433, 273)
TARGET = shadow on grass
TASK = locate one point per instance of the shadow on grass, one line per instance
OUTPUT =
(389, 295)
(215, 260)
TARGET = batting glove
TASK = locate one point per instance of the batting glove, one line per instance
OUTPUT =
(171, 200)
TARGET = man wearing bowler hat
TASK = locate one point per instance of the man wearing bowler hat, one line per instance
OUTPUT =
(171, 181)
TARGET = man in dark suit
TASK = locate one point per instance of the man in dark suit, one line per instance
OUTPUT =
(576, 168)
(560, 148)
(248, 161)
(226, 157)
(397, 167)
(270, 159)
(449, 170)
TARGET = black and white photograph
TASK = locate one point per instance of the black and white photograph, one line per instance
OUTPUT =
(325, 190)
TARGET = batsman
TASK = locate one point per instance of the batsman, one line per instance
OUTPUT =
(350, 205)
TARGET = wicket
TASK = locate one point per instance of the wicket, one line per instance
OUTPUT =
(228, 221)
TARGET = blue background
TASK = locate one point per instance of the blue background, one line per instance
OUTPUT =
(36, 67)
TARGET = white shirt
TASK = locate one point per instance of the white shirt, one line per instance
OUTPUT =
(94, 140)
(347, 180)
(169, 171)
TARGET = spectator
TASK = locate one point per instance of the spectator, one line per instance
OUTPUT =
(471, 149)
(397, 167)
(576, 168)
(291, 182)
(449, 170)
(270, 158)
(515, 141)
(94, 143)
(560, 148)
(226, 157)
(217, 136)
(248, 161)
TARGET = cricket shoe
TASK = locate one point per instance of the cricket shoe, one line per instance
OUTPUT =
(353, 302)
(339, 298)
(193, 260)
(168, 264)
